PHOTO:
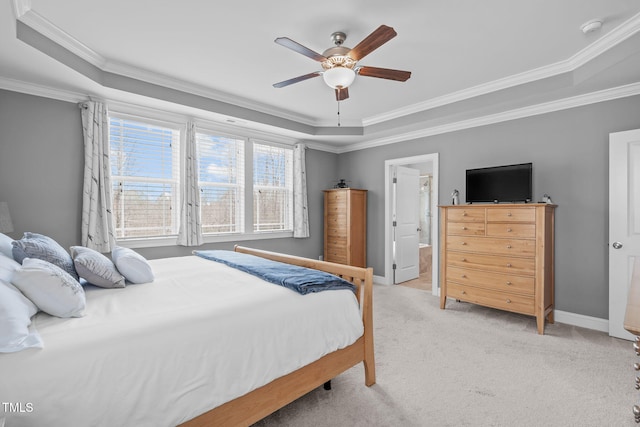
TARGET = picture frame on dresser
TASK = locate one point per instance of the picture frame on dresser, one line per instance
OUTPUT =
(499, 256)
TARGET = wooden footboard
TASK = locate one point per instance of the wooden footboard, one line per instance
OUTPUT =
(259, 403)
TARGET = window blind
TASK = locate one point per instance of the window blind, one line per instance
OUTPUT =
(272, 188)
(145, 166)
(221, 182)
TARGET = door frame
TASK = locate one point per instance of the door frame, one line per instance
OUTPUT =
(388, 217)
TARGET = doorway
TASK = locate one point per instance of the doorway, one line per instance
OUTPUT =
(427, 165)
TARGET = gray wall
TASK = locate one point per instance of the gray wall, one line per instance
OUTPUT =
(569, 150)
(41, 172)
(41, 162)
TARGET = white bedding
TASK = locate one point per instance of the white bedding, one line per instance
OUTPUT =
(161, 353)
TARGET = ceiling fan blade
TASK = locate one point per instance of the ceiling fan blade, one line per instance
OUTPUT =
(297, 79)
(297, 47)
(342, 94)
(384, 73)
(373, 41)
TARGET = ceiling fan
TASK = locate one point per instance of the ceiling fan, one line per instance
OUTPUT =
(339, 63)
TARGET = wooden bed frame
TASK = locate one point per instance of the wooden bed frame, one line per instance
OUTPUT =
(257, 404)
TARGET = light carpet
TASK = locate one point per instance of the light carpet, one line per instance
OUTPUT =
(473, 366)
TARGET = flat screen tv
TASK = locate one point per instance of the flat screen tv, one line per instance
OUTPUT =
(500, 184)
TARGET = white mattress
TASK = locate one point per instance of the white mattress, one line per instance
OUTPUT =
(159, 354)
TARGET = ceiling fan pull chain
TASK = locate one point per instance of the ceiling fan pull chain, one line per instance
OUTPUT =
(338, 113)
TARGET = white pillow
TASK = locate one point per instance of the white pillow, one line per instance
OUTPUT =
(15, 318)
(5, 245)
(7, 267)
(133, 266)
(96, 268)
(52, 289)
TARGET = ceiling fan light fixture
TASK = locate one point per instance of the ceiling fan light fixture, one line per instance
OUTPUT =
(338, 77)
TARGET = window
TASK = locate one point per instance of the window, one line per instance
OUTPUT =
(145, 176)
(221, 183)
(272, 188)
(245, 187)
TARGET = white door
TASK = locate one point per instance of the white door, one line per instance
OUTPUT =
(407, 224)
(624, 223)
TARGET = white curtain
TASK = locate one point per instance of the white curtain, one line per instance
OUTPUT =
(300, 211)
(97, 219)
(190, 233)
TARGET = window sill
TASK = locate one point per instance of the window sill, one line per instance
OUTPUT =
(153, 242)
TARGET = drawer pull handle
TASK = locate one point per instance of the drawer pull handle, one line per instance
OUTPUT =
(508, 301)
(464, 228)
(509, 283)
(464, 276)
(508, 265)
(509, 214)
(464, 214)
(463, 243)
(464, 292)
(508, 230)
(464, 260)
(508, 246)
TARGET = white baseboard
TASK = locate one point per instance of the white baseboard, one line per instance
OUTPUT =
(581, 320)
(380, 280)
(574, 319)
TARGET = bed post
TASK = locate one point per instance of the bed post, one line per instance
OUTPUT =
(367, 318)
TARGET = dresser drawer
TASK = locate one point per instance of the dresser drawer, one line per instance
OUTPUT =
(504, 301)
(501, 264)
(511, 230)
(336, 220)
(490, 280)
(466, 228)
(465, 214)
(511, 214)
(339, 197)
(336, 208)
(489, 245)
(333, 252)
(337, 242)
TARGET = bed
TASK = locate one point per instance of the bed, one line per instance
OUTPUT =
(176, 352)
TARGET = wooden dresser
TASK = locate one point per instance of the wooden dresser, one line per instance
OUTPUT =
(500, 256)
(345, 226)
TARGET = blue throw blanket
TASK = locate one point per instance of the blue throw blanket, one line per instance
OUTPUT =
(300, 279)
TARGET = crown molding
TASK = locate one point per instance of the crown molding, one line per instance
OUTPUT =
(64, 39)
(29, 17)
(20, 7)
(603, 44)
(41, 90)
(519, 113)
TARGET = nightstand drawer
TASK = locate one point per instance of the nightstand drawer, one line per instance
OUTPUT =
(466, 228)
(490, 280)
(504, 301)
(501, 264)
(465, 215)
(490, 245)
(511, 230)
(511, 214)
